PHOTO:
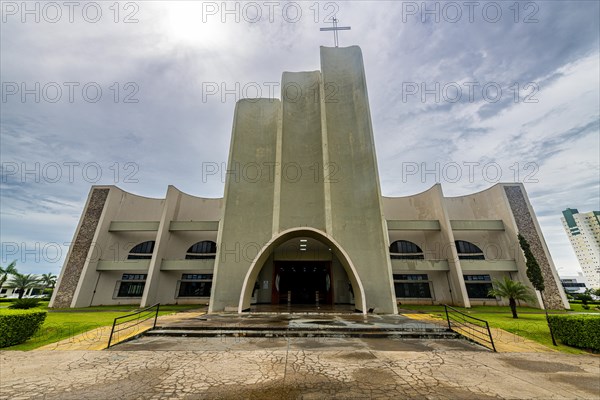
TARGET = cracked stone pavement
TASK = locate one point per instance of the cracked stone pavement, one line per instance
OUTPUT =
(296, 368)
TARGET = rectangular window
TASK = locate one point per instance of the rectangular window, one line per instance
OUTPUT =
(194, 289)
(134, 277)
(131, 289)
(196, 277)
(195, 285)
(478, 286)
(131, 285)
(412, 286)
(410, 277)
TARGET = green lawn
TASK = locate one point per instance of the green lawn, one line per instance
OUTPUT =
(64, 323)
(594, 308)
(531, 323)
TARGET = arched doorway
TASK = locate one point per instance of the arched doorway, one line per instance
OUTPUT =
(297, 275)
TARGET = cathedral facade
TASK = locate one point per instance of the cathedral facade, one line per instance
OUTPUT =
(303, 222)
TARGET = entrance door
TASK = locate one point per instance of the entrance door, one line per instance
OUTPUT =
(302, 282)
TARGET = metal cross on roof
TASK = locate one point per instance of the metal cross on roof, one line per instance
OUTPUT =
(335, 30)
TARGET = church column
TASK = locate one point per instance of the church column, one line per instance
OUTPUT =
(457, 283)
(160, 246)
(355, 219)
(247, 221)
(301, 190)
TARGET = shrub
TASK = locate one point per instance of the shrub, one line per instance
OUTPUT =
(7, 299)
(577, 330)
(24, 304)
(16, 326)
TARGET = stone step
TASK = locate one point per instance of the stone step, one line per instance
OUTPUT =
(323, 327)
(273, 333)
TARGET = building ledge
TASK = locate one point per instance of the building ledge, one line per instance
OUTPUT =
(123, 265)
(201, 265)
(419, 265)
(488, 265)
(131, 226)
(413, 225)
(194, 226)
(477, 225)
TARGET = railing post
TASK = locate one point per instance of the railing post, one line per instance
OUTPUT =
(111, 333)
(491, 338)
(156, 316)
(447, 317)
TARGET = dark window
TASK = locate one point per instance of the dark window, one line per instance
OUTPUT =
(478, 286)
(142, 251)
(132, 285)
(131, 289)
(195, 285)
(195, 289)
(405, 250)
(412, 285)
(410, 277)
(202, 250)
(468, 251)
(196, 277)
(134, 277)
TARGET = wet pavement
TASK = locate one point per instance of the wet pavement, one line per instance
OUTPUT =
(241, 367)
(272, 321)
(163, 343)
(227, 368)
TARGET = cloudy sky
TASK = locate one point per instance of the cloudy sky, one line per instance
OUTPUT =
(141, 94)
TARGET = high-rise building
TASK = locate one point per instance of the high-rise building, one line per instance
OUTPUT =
(583, 230)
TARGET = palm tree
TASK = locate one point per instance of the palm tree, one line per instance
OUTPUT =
(11, 269)
(22, 282)
(48, 280)
(513, 291)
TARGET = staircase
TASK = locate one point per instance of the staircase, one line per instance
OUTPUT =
(304, 326)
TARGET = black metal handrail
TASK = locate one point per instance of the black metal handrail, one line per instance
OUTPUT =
(479, 329)
(137, 320)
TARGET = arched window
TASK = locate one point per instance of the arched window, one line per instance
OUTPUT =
(405, 250)
(468, 251)
(142, 251)
(202, 250)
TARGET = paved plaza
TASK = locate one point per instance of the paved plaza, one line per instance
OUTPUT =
(296, 368)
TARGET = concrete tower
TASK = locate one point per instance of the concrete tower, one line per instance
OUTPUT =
(305, 167)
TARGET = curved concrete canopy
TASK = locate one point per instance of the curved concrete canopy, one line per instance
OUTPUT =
(265, 252)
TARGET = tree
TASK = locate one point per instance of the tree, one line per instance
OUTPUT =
(534, 273)
(22, 282)
(48, 280)
(511, 290)
(597, 292)
(11, 269)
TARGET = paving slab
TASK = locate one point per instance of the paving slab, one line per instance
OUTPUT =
(345, 369)
(162, 343)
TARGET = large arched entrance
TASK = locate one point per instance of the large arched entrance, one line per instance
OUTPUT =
(302, 266)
